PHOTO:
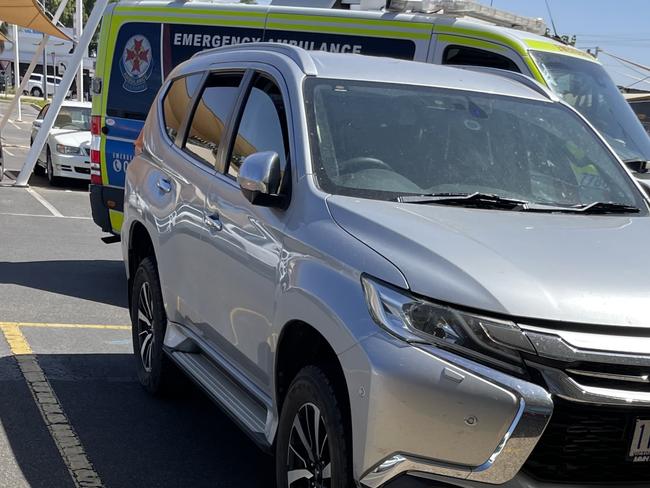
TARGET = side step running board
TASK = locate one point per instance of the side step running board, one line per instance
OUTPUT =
(235, 400)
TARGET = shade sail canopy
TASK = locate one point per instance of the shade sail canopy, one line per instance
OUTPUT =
(27, 13)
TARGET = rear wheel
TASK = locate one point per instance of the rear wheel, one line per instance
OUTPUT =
(36, 92)
(311, 448)
(156, 372)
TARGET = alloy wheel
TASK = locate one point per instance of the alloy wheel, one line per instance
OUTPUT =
(145, 326)
(308, 459)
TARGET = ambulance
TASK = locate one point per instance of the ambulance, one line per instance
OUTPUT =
(141, 41)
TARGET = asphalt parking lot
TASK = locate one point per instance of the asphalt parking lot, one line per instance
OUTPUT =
(71, 410)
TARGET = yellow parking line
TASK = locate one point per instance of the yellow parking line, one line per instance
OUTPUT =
(64, 326)
(15, 338)
(67, 442)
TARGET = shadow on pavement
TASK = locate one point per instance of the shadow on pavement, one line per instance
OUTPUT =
(71, 278)
(29, 456)
(42, 182)
(131, 438)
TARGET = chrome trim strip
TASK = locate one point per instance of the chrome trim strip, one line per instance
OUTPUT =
(611, 376)
(527, 427)
(566, 387)
(554, 344)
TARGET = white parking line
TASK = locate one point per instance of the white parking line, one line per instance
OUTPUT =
(44, 202)
(8, 152)
(16, 214)
(14, 124)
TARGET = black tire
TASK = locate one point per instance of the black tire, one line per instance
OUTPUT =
(158, 375)
(53, 180)
(38, 169)
(311, 393)
(36, 92)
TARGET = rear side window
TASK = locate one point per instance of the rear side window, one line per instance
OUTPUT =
(211, 115)
(263, 125)
(470, 56)
(177, 102)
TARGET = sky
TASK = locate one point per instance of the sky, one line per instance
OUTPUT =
(619, 27)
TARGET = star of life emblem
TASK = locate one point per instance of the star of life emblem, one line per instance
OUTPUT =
(136, 64)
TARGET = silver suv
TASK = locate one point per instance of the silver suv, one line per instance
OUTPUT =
(393, 273)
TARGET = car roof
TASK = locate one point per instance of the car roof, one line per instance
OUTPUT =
(371, 68)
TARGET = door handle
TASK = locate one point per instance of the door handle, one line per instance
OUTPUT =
(164, 185)
(213, 222)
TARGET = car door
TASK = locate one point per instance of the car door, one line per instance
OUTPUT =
(188, 170)
(246, 244)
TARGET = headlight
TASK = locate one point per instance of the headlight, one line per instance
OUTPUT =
(67, 149)
(414, 319)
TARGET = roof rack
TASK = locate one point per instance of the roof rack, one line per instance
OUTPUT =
(456, 8)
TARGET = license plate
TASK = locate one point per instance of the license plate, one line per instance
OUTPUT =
(640, 448)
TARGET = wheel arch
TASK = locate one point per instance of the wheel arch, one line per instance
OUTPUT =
(300, 345)
(140, 247)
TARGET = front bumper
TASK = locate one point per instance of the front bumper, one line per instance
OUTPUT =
(71, 166)
(432, 412)
(576, 430)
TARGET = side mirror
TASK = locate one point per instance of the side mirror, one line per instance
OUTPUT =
(259, 179)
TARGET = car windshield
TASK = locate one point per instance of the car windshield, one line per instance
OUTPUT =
(588, 88)
(76, 118)
(384, 141)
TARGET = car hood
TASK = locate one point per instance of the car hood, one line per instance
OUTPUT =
(71, 137)
(561, 267)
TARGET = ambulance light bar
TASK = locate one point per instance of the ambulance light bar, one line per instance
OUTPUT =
(469, 8)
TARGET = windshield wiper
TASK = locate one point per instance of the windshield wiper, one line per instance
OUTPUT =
(591, 208)
(474, 200)
(491, 201)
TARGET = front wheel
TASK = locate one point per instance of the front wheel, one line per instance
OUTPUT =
(36, 92)
(54, 180)
(311, 448)
(38, 169)
(156, 372)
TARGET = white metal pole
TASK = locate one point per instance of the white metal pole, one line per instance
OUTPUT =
(80, 75)
(18, 93)
(39, 50)
(45, 70)
(59, 95)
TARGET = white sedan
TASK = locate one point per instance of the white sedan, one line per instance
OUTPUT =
(66, 153)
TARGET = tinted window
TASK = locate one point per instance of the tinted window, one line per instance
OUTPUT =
(262, 127)
(177, 102)
(469, 56)
(135, 71)
(210, 116)
(381, 141)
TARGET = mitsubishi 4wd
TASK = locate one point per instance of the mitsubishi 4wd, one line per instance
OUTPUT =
(393, 273)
